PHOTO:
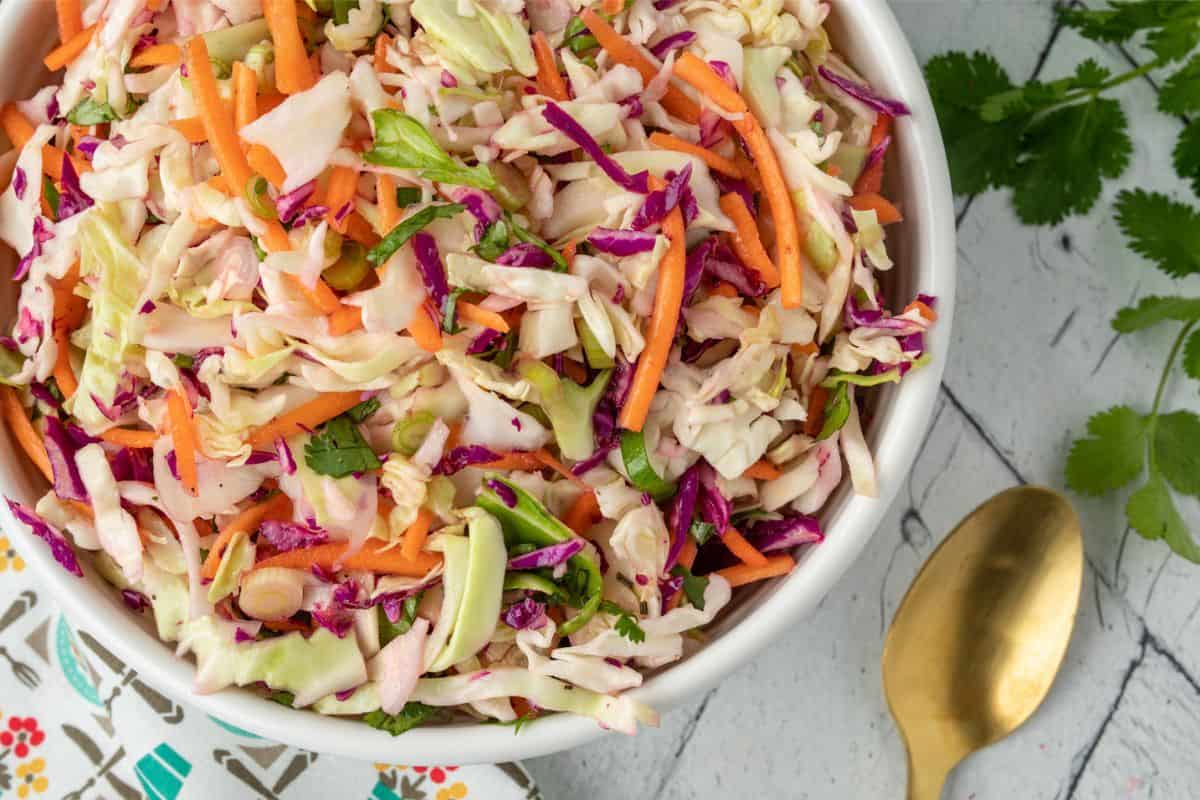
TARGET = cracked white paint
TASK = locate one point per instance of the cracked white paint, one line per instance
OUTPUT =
(1033, 356)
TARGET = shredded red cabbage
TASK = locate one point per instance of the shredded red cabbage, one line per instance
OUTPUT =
(59, 547)
(727, 185)
(673, 42)
(525, 254)
(448, 80)
(526, 613)
(503, 491)
(482, 206)
(61, 451)
(484, 342)
(620, 242)
(595, 459)
(769, 535)
(884, 105)
(714, 508)
(661, 202)
(284, 453)
(288, 204)
(429, 264)
(132, 464)
(28, 326)
(135, 600)
(19, 182)
(462, 457)
(72, 199)
(284, 536)
(550, 556)
(683, 508)
(567, 125)
(240, 636)
(41, 235)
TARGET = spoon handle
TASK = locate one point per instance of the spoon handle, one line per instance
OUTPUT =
(927, 775)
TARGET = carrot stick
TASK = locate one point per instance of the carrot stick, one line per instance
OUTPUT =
(549, 79)
(69, 50)
(724, 289)
(19, 131)
(192, 129)
(320, 295)
(762, 470)
(414, 537)
(884, 210)
(715, 162)
(359, 230)
(275, 239)
(556, 465)
(264, 162)
(687, 554)
(308, 416)
(923, 309)
(268, 101)
(22, 430)
(64, 376)
(277, 506)
(737, 544)
(806, 349)
(70, 19)
(612, 7)
(424, 330)
(245, 95)
(343, 183)
(157, 55)
(583, 513)
(126, 437)
(815, 419)
(69, 307)
(668, 297)
(344, 320)
(742, 574)
(745, 240)
(184, 437)
(748, 170)
(783, 212)
(382, 43)
(621, 51)
(218, 122)
(293, 72)
(481, 316)
(385, 198)
(516, 461)
(871, 178)
(372, 556)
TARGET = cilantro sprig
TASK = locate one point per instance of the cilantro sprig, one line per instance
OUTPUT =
(1054, 143)
(626, 624)
(338, 449)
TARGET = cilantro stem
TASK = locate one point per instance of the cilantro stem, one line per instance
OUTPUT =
(1152, 422)
(1111, 83)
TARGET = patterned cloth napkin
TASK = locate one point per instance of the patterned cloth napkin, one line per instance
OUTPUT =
(76, 723)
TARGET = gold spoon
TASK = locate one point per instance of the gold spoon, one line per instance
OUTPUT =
(980, 635)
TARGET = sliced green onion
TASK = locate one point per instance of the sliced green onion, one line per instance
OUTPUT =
(641, 472)
(407, 195)
(581, 44)
(350, 269)
(259, 199)
(410, 432)
(529, 582)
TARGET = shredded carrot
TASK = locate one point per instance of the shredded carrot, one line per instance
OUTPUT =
(19, 130)
(668, 298)
(745, 240)
(741, 574)
(806, 349)
(269, 101)
(737, 544)
(416, 534)
(687, 553)
(184, 437)
(481, 316)
(343, 184)
(612, 7)
(815, 418)
(549, 79)
(285, 625)
(833, 170)
(748, 171)
(556, 465)
(218, 184)
(870, 181)
(64, 376)
(762, 470)
(375, 555)
(245, 95)
(192, 129)
(385, 198)
(885, 212)
(345, 320)
(23, 431)
(923, 309)
(308, 416)
(69, 307)
(424, 330)
(277, 506)
(455, 435)
(382, 43)
(516, 461)
(156, 55)
(218, 121)
(156, 5)
(275, 239)
(714, 161)
(724, 289)
(126, 437)
(70, 18)
(621, 51)
(783, 212)
(359, 230)
(264, 162)
(293, 72)
(319, 295)
(568, 253)
(583, 513)
(69, 50)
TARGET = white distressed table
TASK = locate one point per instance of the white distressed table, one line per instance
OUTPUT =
(1032, 356)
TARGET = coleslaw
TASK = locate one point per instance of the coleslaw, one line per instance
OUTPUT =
(445, 359)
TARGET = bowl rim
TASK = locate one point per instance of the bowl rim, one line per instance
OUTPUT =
(895, 70)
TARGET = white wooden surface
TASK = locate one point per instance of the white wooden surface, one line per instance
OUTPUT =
(1032, 357)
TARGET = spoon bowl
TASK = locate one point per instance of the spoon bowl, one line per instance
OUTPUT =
(978, 639)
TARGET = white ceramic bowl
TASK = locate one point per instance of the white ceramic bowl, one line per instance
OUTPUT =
(924, 250)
